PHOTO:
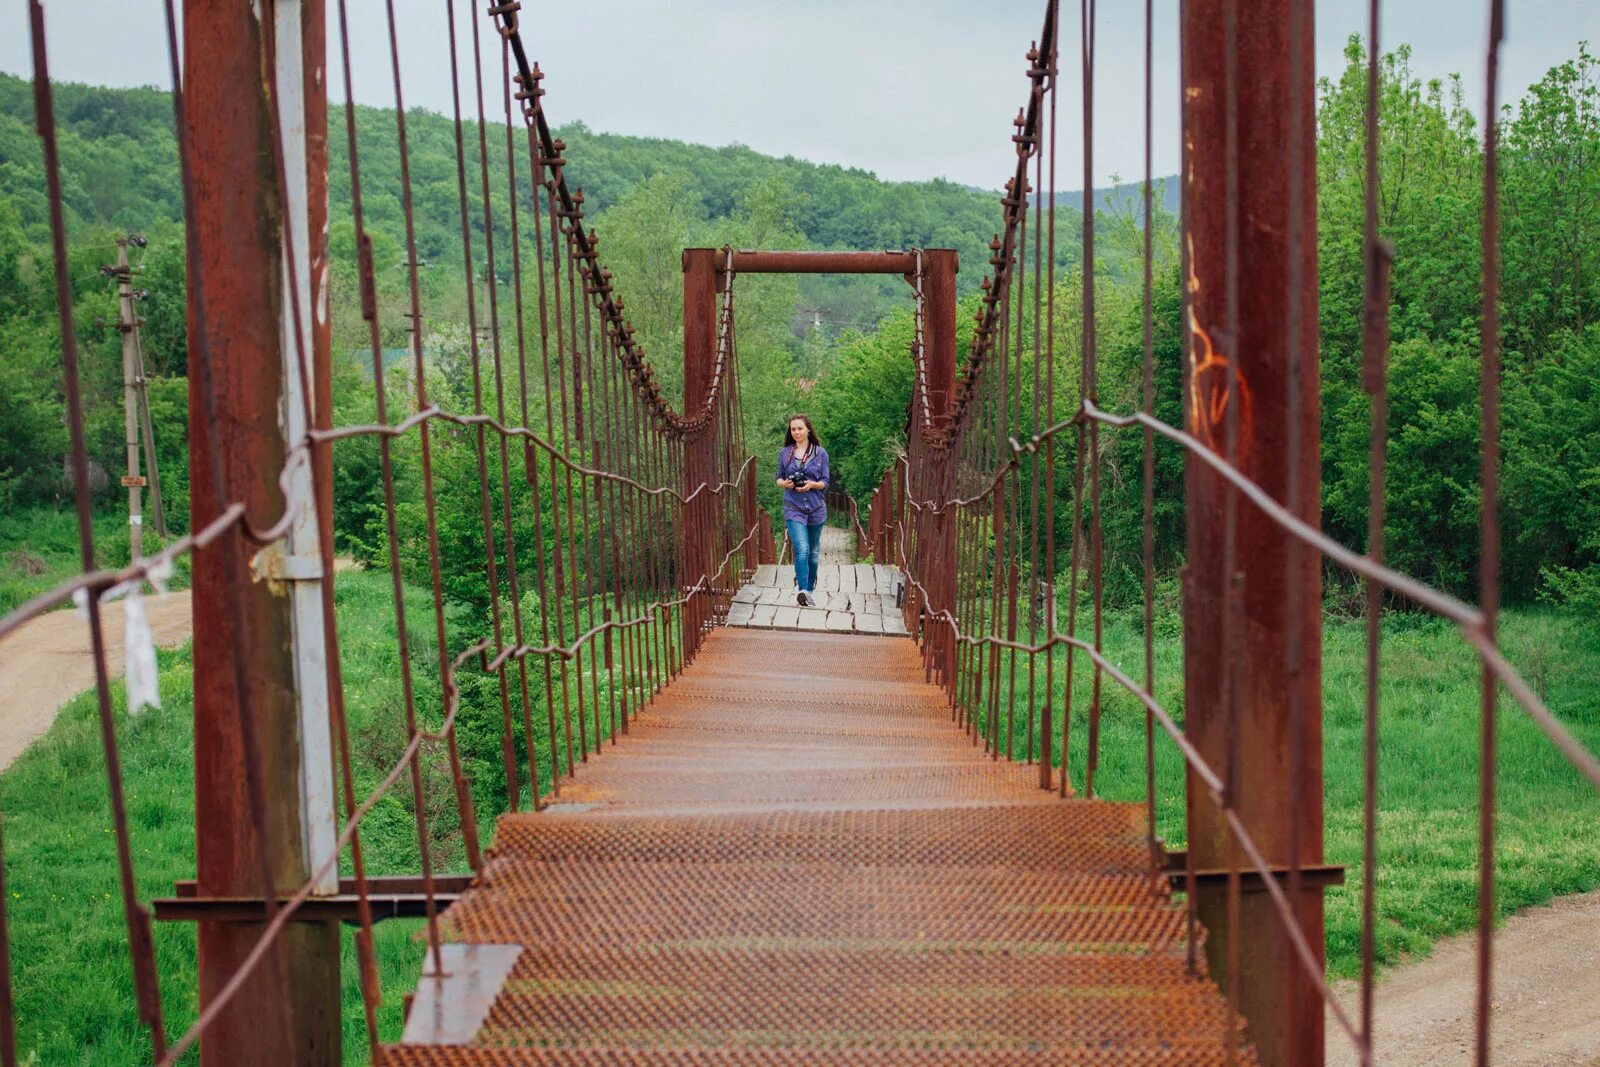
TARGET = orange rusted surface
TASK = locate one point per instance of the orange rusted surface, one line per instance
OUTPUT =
(795, 857)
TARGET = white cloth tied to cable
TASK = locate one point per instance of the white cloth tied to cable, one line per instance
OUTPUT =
(140, 646)
(138, 642)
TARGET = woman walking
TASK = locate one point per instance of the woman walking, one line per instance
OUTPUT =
(803, 474)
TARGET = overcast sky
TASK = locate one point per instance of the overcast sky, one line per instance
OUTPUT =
(909, 89)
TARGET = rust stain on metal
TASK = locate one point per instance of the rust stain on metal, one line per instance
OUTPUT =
(778, 865)
(1210, 391)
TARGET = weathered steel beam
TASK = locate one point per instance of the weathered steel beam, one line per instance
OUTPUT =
(939, 266)
(287, 1010)
(391, 897)
(699, 362)
(764, 262)
(1252, 599)
(188, 888)
(1250, 880)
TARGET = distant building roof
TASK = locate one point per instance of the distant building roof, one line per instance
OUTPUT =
(391, 356)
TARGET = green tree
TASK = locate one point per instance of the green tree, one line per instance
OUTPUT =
(1429, 202)
(1551, 229)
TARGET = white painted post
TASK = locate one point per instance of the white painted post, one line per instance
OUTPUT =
(303, 562)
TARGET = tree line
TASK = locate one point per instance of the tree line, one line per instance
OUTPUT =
(837, 347)
(1430, 206)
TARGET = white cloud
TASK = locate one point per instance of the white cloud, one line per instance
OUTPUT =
(909, 89)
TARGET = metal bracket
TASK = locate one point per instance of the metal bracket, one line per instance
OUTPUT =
(388, 897)
(272, 564)
(1312, 875)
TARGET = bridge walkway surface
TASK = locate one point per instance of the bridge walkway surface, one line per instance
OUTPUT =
(794, 856)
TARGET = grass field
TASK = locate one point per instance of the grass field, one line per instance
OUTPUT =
(74, 988)
(39, 550)
(73, 985)
(1548, 828)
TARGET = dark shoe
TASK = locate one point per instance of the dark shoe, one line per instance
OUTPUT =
(805, 601)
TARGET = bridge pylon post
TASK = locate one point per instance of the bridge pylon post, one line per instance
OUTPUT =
(700, 452)
(1253, 629)
(939, 321)
(261, 726)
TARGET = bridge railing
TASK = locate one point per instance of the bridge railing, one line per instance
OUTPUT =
(602, 533)
(969, 513)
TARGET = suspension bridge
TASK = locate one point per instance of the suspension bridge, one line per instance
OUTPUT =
(723, 839)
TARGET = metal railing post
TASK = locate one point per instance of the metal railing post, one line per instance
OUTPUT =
(242, 226)
(1252, 622)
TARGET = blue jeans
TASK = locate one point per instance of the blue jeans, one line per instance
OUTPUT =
(807, 542)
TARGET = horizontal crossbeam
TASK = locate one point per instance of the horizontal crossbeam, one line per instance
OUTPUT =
(1312, 875)
(390, 897)
(752, 261)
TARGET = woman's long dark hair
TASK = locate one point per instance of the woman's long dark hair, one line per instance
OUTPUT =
(812, 438)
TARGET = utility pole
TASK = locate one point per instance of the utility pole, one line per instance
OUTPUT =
(136, 402)
(133, 480)
(157, 512)
(412, 328)
(486, 327)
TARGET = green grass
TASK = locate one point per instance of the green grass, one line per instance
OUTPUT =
(74, 988)
(1548, 825)
(41, 550)
(69, 957)
(70, 961)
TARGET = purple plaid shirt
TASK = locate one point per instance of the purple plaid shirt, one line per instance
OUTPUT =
(810, 507)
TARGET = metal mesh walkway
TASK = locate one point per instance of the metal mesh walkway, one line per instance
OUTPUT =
(795, 857)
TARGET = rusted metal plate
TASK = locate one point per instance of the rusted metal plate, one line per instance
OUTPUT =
(341, 907)
(796, 857)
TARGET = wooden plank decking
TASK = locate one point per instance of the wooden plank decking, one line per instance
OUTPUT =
(850, 597)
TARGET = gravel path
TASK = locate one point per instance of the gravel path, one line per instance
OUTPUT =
(1546, 995)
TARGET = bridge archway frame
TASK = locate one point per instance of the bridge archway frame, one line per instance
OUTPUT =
(702, 268)
(1279, 734)
(704, 271)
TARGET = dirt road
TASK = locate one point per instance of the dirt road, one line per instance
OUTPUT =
(47, 663)
(1546, 995)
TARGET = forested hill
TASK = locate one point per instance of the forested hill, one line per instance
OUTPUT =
(120, 170)
(650, 198)
(1128, 197)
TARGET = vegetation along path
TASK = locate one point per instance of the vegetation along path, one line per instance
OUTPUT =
(47, 662)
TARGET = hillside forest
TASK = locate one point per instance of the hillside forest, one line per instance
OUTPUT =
(836, 347)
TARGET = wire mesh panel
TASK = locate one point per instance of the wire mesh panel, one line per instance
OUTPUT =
(642, 519)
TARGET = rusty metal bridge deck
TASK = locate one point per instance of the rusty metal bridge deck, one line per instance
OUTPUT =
(795, 857)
